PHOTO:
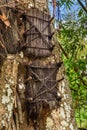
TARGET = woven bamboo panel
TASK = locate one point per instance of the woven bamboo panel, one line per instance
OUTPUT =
(41, 87)
(38, 36)
(41, 82)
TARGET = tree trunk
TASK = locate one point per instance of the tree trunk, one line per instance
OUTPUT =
(16, 110)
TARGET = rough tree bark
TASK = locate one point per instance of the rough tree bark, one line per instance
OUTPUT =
(13, 114)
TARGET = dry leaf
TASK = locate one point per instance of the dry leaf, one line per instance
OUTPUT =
(5, 20)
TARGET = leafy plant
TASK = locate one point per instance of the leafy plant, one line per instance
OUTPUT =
(73, 39)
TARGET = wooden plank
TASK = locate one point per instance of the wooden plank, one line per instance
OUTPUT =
(40, 17)
(38, 37)
(42, 79)
(49, 45)
(53, 66)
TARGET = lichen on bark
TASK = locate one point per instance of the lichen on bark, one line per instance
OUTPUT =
(8, 82)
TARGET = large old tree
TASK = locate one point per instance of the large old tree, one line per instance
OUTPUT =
(34, 92)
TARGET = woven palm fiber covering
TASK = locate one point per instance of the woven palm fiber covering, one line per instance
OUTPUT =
(38, 34)
(41, 86)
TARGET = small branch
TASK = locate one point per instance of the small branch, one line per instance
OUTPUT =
(66, 55)
(75, 69)
(81, 4)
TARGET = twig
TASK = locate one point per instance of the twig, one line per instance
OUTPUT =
(64, 52)
(75, 69)
(81, 4)
(40, 33)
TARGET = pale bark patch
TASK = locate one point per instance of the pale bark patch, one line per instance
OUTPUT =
(8, 85)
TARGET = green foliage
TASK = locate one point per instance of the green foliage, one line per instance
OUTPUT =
(79, 91)
(73, 35)
(82, 118)
(66, 3)
(73, 39)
